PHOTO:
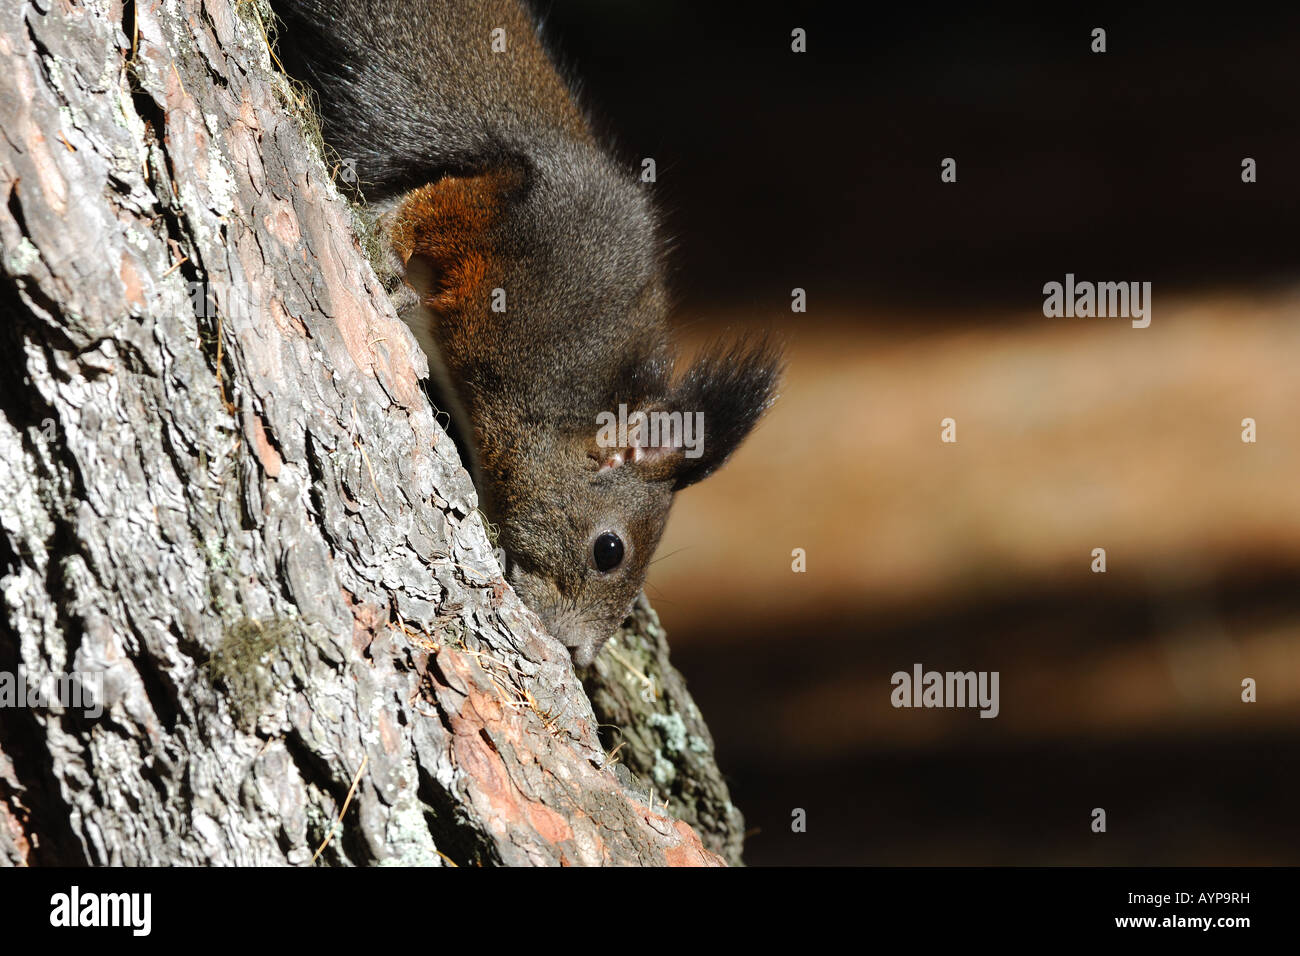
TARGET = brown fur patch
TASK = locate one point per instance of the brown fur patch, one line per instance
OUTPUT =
(449, 222)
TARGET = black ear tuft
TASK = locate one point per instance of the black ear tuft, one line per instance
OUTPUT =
(732, 385)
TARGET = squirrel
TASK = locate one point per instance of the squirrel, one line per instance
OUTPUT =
(531, 270)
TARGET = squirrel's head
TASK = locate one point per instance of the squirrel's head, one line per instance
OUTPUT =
(581, 507)
(544, 299)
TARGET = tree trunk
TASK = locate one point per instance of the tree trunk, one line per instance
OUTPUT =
(229, 512)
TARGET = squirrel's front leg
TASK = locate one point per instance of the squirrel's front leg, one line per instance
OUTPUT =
(435, 257)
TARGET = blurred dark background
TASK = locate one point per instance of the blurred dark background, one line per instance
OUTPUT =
(821, 170)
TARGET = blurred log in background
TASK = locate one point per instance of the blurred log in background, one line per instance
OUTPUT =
(1120, 690)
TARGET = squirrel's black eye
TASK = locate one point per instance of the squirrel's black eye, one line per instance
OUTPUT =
(608, 551)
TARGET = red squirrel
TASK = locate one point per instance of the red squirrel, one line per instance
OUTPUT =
(531, 271)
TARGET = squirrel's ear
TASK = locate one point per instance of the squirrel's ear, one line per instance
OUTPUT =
(445, 226)
(727, 389)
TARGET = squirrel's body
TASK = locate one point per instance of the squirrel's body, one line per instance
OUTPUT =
(492, 190)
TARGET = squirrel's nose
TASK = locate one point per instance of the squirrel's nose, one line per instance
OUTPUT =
(583, 654)
(576, 635)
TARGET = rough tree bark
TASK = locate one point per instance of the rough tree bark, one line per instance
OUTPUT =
(223, 490)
